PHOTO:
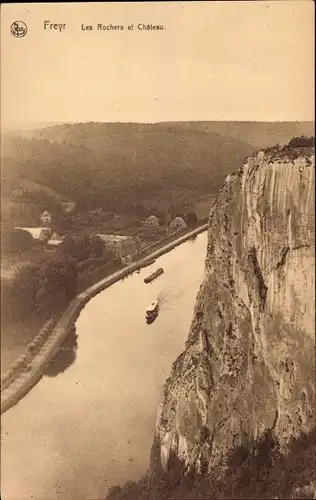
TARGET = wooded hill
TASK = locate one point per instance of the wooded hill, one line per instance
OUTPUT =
(119, 165)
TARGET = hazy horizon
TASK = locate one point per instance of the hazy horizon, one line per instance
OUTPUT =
(25, 126)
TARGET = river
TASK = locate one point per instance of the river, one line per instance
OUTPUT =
(89, 422)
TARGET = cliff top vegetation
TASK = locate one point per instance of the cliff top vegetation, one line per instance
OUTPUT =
(301, 146)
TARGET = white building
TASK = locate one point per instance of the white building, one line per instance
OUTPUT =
(177, 224)
(121, 246)
(152, 221)
(46, 218)
(37, 233)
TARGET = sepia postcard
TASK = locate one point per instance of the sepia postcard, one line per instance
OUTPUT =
(158, 250)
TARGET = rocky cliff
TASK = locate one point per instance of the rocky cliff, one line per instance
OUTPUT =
(249, 361)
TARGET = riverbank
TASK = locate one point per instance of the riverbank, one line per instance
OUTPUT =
(21, 385)
(102, 272)
(15, 336)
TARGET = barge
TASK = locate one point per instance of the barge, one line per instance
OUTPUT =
(154, 275)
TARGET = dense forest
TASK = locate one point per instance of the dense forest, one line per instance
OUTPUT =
(118, 166)
(257, 134)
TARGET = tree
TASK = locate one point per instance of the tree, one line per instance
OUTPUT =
(150, 229)
(8, 309)
(60, 222)
(25, 287)
(41, 288)
(70, 247)
(56, 282)
(161, 216)
(301, 141)
(83, 247)
(17, 241)
(96, 247)
(191, 219)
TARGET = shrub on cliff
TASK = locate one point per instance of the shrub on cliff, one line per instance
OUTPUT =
(255, 470)
(301, 142)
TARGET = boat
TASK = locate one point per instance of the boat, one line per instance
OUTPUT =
(154, 275)
(152, 310)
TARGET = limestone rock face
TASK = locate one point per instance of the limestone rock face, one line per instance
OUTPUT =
(249, 361)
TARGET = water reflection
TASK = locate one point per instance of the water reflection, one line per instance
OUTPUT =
(65, 357)
(193, 238)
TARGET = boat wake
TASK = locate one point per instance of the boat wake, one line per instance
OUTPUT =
(166, 298)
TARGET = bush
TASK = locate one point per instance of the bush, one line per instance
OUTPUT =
(25, 285)
(56, 282)
(254, 470)
(302, 141)
(17, 241)
(41, 288)
(84, 247)
(114, 492)
(191, 219)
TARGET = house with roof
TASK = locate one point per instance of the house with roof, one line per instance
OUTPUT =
(55, 240)
(122, 247)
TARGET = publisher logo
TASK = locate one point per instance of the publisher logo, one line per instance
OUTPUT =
(18, 28)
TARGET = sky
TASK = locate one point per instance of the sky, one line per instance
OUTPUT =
(212, 61)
